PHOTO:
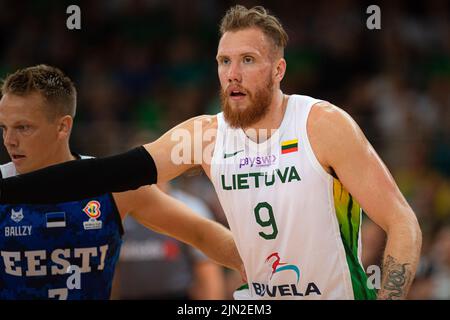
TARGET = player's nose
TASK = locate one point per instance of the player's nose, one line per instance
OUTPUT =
(10, 139)
(234, 73)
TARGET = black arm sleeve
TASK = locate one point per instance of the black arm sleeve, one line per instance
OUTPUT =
(81, 179)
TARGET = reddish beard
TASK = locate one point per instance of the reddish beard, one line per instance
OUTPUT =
(255, 111)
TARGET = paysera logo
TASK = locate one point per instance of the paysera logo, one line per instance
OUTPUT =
(259, 161)
(288, 289)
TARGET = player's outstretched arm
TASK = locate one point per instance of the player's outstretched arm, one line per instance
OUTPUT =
(162, 213)
(81, 179)
(183, 147)
(340, 144)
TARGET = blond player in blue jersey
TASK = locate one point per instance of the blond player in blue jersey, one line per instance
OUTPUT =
(39, 242)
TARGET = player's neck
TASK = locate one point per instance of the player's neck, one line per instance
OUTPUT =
(62, 154)
(66, 154)
(263, 129)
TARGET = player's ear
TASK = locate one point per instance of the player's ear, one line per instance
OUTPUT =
(280, 69)
(65, 125)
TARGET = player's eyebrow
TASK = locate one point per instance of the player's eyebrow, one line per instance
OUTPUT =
(248, 53)
(220, 57)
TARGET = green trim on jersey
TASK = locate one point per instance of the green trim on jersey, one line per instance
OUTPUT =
(348, 213)
(243, 287)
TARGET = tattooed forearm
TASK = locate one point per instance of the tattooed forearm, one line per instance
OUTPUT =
(396, 279)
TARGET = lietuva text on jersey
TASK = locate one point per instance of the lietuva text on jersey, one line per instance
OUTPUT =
(256, 179)
(62, 251)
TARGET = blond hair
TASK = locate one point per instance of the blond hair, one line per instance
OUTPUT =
(55, 87)
(240, 18)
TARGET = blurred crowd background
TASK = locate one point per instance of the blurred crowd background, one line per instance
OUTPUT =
(142, 66)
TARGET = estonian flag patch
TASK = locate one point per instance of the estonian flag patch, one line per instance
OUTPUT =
(56, 219)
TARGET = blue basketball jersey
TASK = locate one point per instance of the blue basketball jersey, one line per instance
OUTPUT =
(59, 251)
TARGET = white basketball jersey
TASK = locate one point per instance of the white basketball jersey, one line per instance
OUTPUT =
(296, 227)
